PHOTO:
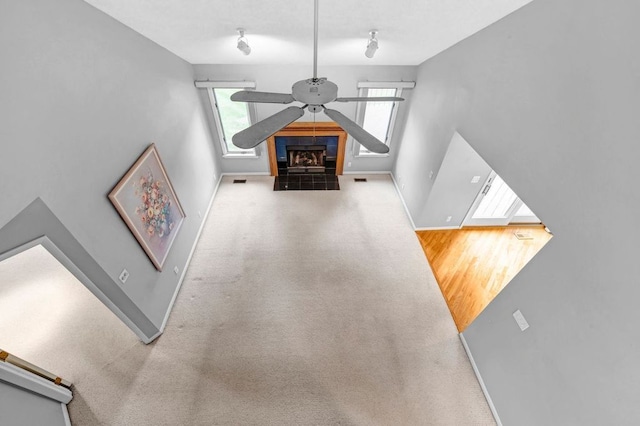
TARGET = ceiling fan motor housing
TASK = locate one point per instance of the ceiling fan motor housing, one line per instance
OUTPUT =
(315, 92)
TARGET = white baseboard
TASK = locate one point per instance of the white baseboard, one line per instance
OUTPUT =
(406, 209)
(246, 174)
(186, 265)
(479, 377)
(363, 172)
(437, 228)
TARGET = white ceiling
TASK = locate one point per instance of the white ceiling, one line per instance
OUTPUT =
(281, 31)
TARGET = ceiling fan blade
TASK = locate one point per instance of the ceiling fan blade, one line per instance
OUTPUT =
(262, 97)
(372, 99)
(365, 138)
(253, 135)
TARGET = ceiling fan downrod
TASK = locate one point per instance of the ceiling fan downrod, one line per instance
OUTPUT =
(315, 40)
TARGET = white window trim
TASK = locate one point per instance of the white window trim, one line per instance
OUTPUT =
(209, 86)
(361, 107)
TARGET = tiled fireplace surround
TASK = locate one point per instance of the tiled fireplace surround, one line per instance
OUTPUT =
(307, 156)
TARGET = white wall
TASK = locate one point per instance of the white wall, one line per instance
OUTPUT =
(549, 96)
(21, 407)
(273, 78)
(82, 97)
(453, 191)
(432, 117)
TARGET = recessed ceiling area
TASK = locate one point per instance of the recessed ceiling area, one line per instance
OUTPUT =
(281, 31)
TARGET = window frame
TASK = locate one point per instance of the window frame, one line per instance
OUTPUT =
(251, 111)
(361, 108)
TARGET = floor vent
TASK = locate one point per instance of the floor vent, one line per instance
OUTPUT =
(239, 181)
(360, 179)
(522, 235)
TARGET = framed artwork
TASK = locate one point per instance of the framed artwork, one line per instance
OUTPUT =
(149, 206)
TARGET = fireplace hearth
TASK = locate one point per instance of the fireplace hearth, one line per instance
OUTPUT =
(306, 182)
(306, 169)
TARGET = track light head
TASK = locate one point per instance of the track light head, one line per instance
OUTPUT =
(243, 43)
(372, 45)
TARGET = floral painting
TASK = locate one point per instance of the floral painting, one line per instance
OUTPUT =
(148, 204)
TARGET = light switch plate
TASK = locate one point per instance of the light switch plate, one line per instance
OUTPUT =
(475, 179)
(522, 322)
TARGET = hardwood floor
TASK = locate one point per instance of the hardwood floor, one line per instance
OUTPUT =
(472, 265)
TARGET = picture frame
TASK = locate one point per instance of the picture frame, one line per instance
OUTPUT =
(148, 204)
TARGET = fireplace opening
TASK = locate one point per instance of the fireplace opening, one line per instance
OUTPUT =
(306, 158)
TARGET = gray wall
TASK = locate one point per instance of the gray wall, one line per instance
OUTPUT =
(434, 111)
(453, 192)
(82, 97)
(19, 407)
(549, 96)
(273, 78)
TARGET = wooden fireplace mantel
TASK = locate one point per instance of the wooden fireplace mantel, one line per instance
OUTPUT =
(322, 128)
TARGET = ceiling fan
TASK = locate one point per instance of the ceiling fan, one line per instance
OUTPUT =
(314, 93)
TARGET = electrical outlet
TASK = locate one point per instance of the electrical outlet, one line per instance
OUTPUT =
(448, 218)
(176, 270)
(431, 175)
(522, 323)
(475, 179)
(349, 164)
(124, 276)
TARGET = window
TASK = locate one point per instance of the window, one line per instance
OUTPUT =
(230, 117)
(378, 118)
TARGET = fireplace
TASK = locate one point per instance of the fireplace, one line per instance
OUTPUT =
(327, 135)
(305, 154)
(306, 158)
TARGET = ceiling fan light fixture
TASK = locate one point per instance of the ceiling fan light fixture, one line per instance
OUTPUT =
(243, 43)
(372, 44)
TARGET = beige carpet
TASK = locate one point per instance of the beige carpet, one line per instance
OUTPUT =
(52, 320)
(299, 308)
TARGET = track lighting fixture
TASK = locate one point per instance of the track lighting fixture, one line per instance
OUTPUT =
(372, 45)
(243, 43)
